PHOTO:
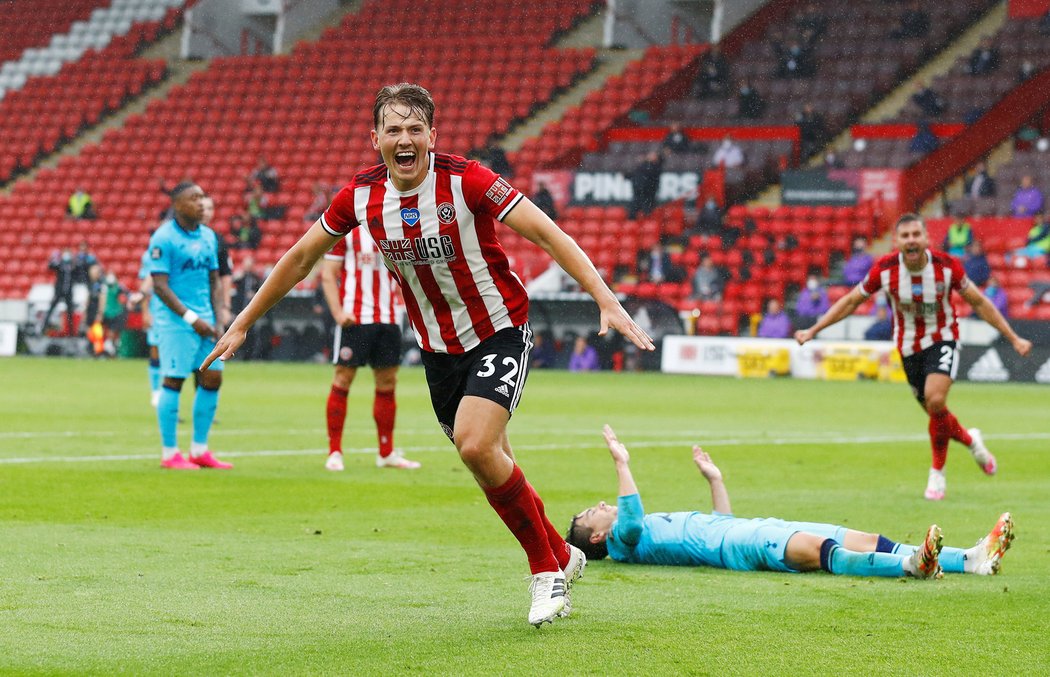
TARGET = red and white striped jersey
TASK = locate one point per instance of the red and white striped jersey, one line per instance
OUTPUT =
(439, 239)
(921, 302)
(368, 287)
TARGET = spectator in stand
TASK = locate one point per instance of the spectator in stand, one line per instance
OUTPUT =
(80, 205)
(496, 159)
(322, 198)
(707, 281)
(584, 356)
(985, 58)
(775, 323)
(997, 295)
(728, 154)
(975, 263)
(914, 22)
(82, 262)
(858, 264)
(645, 182)
(676, 141)
(713, 77)
(980, 184)
(1028, 200)
(930, 103)
(709, 220)
(264, 176)
(958, 237)
(544, 354)
(749, 103)
(244, 232)
(812, 302)
(545, 201)
(1025, 70)
(924, 141)
(1038, 242)
(654, 265)
(882, 328)
(811, 24)
(833, 160)
(257, 203)
(796, 61)
(812, 130)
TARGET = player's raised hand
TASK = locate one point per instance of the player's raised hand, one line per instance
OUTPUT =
(619, 319)
(1023, 346)
(617, 450)
(804, 335)
(225, 347)
(707, 467)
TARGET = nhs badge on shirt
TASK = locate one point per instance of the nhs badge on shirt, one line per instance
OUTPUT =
(916, 289)
(410, 217)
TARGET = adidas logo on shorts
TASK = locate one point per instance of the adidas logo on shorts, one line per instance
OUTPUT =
(503, 390)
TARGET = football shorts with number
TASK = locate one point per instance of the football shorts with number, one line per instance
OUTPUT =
(495, 369)
(940, 358)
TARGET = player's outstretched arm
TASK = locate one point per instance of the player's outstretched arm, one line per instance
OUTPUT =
(531, 223)
(293, 267)
(622, 459)
(711, 472)
(990, 314)
(839, 311)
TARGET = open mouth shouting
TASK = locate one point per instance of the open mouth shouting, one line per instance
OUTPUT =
(405, 160)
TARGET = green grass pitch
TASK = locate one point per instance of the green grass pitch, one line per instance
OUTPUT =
(108, 564)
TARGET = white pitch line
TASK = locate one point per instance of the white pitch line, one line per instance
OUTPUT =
(834, 438)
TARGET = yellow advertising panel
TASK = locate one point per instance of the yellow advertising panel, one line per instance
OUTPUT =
(764, 362)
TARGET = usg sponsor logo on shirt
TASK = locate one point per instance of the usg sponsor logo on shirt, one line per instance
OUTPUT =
(989, 367)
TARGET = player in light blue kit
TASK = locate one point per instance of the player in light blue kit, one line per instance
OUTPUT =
(184, 266)
(148, 305)
(626, 534)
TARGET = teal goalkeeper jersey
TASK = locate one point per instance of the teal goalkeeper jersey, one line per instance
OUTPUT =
(681, 538)
(187, 258)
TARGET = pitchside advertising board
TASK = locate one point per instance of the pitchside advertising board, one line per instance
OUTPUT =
(612, 188)
(838, 360)
(841, 187)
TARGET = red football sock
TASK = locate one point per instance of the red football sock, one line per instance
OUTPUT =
(384, 410)
(558, 545)
(940, 433)
(958, 433)
(513, 502)
(336, 412)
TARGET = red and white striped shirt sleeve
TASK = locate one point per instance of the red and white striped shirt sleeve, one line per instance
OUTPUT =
(488, 192)
(341, 216)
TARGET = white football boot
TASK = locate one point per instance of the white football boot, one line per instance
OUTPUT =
(548, 597)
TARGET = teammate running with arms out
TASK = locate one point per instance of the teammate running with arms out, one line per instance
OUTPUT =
(919, 284)
(184, 265)
(718, 539)
(434, 217)
(366, 332)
